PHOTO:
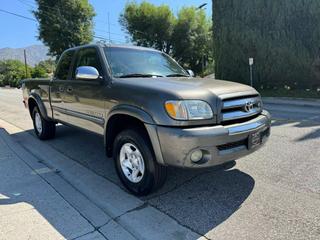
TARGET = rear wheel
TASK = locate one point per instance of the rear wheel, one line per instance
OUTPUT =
(43, 128)
(135, 162)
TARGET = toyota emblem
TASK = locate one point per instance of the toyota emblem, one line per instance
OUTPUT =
(248, 106)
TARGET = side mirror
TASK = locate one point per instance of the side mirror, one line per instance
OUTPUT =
(87, 73)
(190, 72)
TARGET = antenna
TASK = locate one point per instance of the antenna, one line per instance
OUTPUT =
(109, 27)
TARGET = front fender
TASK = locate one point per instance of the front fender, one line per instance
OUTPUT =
(128, 110)
(131, 111)
(145, 118)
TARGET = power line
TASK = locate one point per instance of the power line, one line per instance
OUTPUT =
(101, 30)
(34, 20)
(112, 40)
(33, 6)
(18, 15)
(105, 22)
(57, 8)
(26, 3)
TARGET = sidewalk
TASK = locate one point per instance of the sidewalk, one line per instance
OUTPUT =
(292, 101)
(45, 195)
(29, 207)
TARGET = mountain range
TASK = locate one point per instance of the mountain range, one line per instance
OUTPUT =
(35, 54)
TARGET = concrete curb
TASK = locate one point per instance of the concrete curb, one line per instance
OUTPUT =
(292, 101)
(126, 215)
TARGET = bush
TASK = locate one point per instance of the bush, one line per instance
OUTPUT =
(39, 72)
(11, 72)
(282, 37)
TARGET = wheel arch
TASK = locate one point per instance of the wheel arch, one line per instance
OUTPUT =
(125, 117)
(35, 100)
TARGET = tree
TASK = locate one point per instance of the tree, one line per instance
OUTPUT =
(187, 36)
(192, 39)
(149, 25)
(64, 23)
(39, 72)
(11, 72)
(43, 69)
(280, 35)
(49, 65)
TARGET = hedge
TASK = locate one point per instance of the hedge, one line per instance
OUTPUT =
(283, 37)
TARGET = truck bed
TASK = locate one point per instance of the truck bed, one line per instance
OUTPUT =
(37, 87)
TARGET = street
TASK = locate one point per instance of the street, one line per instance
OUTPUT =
(271, 194)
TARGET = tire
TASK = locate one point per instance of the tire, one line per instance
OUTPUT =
(47, 129)
(138, 142)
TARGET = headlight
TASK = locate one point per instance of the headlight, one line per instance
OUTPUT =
(188, 110)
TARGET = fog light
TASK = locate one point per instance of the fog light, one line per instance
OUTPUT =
(196, 156)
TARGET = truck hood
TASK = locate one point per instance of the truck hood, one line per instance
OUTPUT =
(191, 88)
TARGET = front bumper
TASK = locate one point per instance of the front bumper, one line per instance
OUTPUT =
(220, 144)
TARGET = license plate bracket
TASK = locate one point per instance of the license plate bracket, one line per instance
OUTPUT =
(254, 140)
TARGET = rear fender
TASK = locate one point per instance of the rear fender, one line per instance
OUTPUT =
(43, 111)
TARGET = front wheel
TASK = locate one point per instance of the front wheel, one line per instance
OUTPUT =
(43, 128)
(135, 162)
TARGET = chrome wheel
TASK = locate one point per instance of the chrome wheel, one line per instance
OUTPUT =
(38, 122)
(131, 162)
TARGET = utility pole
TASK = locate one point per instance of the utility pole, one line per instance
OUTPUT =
(202, 6)
(25, 62)
(109, 27)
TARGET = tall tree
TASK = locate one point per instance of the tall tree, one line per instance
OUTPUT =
(283, 37)
(149, 25)
(192, 38)
(64, 23)
(187, 36)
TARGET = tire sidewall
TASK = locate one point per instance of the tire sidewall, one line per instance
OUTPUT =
(133, 137)
(36, 110)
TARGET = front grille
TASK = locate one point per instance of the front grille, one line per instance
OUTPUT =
(240, 109)
(232, 145)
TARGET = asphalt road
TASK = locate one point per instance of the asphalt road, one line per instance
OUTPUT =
(271, 194)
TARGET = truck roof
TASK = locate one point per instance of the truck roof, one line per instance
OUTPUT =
(115, 46)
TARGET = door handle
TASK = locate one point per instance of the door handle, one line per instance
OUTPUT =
(69, 89)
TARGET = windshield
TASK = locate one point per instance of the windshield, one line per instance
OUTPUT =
(126, 62)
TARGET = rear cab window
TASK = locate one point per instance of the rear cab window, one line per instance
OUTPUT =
(64, 65)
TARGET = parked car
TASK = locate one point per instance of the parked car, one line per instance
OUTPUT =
(151, 112)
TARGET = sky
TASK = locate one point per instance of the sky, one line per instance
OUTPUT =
(19, 32)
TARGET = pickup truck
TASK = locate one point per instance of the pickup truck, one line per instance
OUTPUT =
(151, 112)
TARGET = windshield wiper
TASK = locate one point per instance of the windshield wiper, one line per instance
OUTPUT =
(177, 75)
(133, 75)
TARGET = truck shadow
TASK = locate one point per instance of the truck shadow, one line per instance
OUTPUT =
(198, 199)
(38, 208)
(29, 208)
(298, 119)
(312, 126)
(206, 199)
